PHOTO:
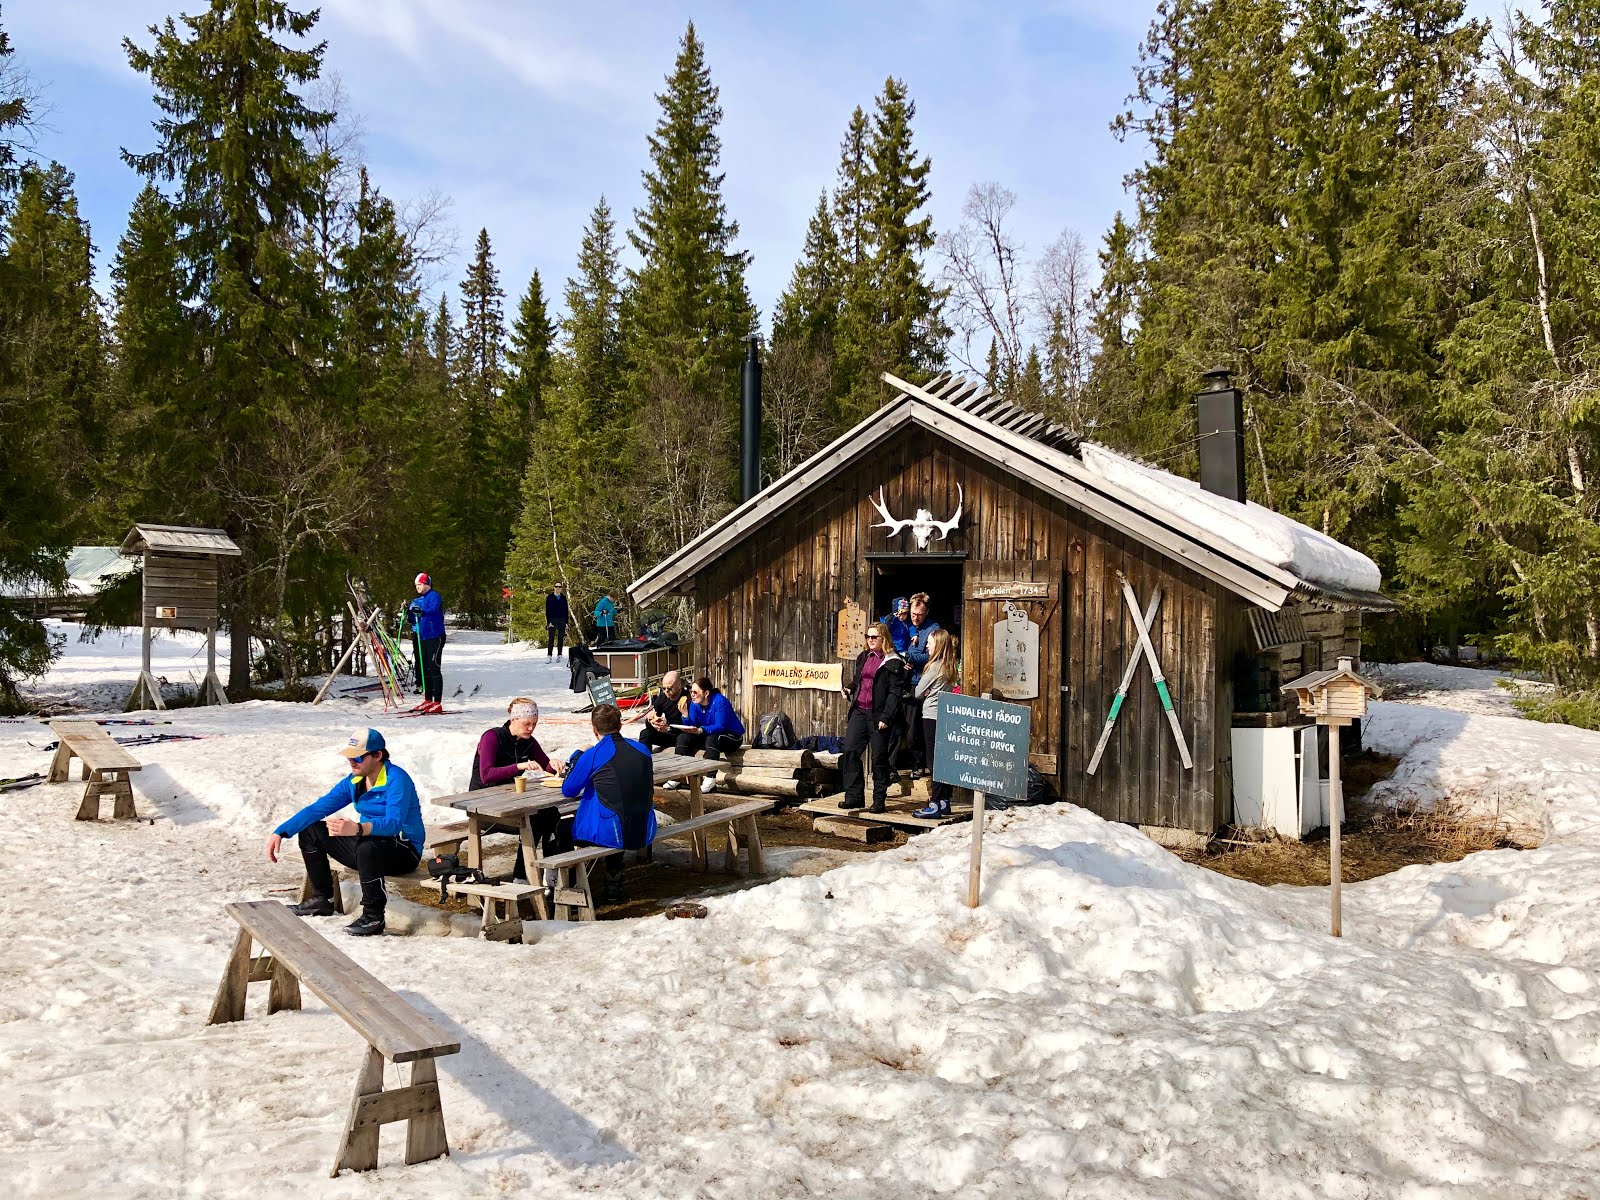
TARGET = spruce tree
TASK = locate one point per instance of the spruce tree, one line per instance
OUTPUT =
(530, 355)
(808, 310)
(687, 314)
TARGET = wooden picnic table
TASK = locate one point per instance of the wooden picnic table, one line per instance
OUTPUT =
(504, 805)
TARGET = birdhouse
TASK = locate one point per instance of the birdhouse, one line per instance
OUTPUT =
(1334, 697)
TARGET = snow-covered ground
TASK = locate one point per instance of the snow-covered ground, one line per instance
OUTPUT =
(1112, 1022)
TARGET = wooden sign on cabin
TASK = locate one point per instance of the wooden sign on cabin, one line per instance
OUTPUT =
(1016, 655)
(827, 677)
(852, 630)
(1334, 697)
(181, 582)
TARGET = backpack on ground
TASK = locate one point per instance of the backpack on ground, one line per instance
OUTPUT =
(774, 732)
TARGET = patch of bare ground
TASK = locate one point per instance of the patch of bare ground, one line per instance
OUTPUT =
(1377, 839)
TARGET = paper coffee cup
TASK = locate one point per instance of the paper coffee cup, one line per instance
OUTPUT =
(522, 783)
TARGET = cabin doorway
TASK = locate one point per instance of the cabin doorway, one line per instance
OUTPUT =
(941, 578)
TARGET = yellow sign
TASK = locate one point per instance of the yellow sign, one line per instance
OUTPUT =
(827, 677)
(852, 630)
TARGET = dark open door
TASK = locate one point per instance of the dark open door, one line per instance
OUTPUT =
(1012, 646)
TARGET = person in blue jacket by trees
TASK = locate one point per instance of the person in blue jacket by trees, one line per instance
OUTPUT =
(614, 784)
(605, 618)
(427, 618)
(386, 838)
(922, 630)
(712, 725)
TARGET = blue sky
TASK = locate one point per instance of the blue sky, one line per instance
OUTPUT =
(524, 113)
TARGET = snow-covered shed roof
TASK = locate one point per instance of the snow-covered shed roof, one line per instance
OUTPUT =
(178, 539)
(89, 570)
(1261, 555)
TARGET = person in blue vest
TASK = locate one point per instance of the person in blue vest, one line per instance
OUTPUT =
(386, 838)
(710, 725)
(605, 619)
(427, 619)
(614, 784)
(922, 629)
(556, 615)
(898, 624)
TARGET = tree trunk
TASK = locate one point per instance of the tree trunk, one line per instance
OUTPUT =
(239, 626)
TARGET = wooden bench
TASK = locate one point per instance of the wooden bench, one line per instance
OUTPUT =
(106, 765)
(501, 903)
(296, 954)
(574, 899)
(444, 839)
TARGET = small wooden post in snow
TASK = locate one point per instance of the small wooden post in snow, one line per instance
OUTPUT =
(1335, 821)
(975, 868)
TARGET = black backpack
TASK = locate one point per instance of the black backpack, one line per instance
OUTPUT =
(774, 732)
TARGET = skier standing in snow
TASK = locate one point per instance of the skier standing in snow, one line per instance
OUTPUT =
(556, 615)
(385, 839)
(605, 619)
(427, 618)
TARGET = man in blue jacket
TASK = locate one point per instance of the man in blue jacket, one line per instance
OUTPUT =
(386, 838)
(614, 784)
(427, 616)
(921, 630)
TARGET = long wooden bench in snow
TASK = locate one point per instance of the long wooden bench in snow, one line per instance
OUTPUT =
(106, 765)
(574, 899)
(394, 1031)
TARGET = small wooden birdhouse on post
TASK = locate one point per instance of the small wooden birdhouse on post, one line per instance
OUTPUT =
(1334, 698)
(180, 592)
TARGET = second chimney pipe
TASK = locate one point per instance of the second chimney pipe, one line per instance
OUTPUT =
(1220, 409)
(750, 421)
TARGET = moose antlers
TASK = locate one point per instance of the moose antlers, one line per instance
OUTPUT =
(923, 524)
(888, 522)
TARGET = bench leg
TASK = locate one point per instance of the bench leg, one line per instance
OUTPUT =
(425, 1136)
(501, 920)
(229, 1004)
(122, 790)
(338, 892)
(697, 839)
(89, 806)
(285, 989)
(61, 764)
(752, 842)
(358, 1149)
(731, 864)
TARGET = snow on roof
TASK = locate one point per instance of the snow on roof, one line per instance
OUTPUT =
(1255, 530)
(89, 570)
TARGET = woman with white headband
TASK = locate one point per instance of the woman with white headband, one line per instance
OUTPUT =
(504, 752)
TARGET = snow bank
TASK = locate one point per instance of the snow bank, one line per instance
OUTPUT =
(1257, 531)
(1111, 1023)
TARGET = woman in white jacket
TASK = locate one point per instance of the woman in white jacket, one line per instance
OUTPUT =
(940, 675)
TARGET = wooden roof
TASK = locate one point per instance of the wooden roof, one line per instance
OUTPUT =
(1035, 450)
(178, 539)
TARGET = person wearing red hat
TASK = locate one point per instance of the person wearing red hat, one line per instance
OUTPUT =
(427, 620)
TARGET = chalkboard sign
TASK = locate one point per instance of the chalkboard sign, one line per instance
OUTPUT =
(601, 691)
(983, 745)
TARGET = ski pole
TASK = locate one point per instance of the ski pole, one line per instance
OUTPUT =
(1122, 688)
(1156, 673)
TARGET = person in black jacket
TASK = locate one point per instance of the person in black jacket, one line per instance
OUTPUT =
(556, 615)
(504, 752)
(667, 708)
(875, 693)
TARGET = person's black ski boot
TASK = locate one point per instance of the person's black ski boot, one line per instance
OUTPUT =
(317, 906)
(366, 925)
(849, 803)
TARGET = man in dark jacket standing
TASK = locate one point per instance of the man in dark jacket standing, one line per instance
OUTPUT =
(556, 615)
(427, 616)
(875, 692)
(921, 630)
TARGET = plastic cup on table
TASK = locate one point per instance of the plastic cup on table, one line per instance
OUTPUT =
(521, 783)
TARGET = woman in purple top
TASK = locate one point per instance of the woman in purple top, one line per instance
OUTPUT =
(503, 753)
(875, 693)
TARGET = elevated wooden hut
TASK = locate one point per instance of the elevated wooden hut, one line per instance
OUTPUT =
(181, 580)
(1023, 532)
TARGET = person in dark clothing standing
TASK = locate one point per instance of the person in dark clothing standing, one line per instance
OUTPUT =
(874, 693)
(614, 784)
(386, 838)
(504, 753)
(556, 616)
(917, 649)
(667, 708)
(427, 618)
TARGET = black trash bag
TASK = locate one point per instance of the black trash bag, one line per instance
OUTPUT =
(1040, 789)
(774, 732)
(584, 667)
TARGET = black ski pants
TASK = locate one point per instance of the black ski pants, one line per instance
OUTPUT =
(371, 857)
(714, 744)
(555, 640)
(658, 739)
(861, 735)
(429, 653)
(547, 835)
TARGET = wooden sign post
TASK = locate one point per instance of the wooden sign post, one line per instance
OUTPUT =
(852, 630)
(983, 745)
(1334, 698)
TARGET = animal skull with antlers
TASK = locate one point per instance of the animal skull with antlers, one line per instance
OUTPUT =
(922, 525)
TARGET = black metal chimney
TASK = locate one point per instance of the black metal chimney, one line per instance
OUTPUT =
(1221, 441)
(750, 421)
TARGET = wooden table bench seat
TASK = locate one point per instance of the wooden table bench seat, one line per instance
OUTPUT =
(106, 766)
(574, 894)
(394, 1031)
(442, 839)
(501, 912)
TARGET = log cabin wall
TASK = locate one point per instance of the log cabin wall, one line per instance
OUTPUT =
(776, 595)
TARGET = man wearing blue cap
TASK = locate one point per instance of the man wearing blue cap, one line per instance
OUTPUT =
(386, 838)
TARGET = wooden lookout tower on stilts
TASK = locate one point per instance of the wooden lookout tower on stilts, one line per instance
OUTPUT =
(180, 592)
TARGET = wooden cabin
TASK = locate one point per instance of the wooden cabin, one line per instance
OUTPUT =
(1022, 532)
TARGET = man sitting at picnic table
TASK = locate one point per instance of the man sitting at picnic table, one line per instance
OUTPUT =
(386, 839)
(614, 784)
(667, 708)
